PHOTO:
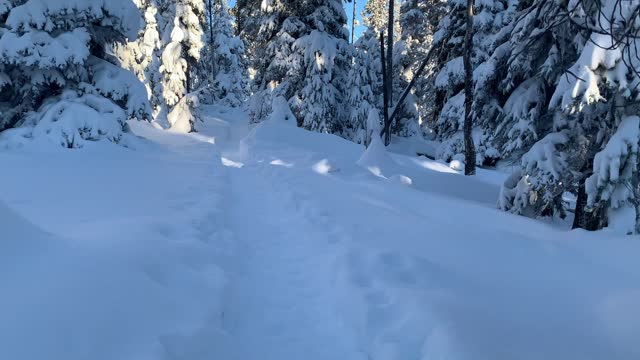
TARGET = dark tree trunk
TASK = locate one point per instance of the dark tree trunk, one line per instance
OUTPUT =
(589, 219)
(469, 147)
(390, 52)
(212, 67)
(353, 22)
(579, 221)
(188, 76)
(385, 94)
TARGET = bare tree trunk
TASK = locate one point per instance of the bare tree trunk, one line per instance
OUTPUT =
(353, 23)
(579, 220)
(211, 40)
(469, 147)
(385, 94)
(390, 52)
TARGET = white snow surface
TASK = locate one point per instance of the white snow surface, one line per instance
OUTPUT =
(230, 244)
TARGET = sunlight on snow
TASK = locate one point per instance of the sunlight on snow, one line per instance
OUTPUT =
(230, 163)
(282, 163)
(322, 167)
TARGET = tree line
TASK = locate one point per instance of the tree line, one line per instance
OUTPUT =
(552, 85)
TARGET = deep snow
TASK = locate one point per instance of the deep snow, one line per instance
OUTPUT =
(277, 243)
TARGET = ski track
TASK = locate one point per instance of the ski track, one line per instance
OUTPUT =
(281, 305)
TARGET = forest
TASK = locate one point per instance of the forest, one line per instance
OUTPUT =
(319, 179)
(554, 83)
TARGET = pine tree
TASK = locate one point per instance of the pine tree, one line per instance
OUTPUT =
(491, 18)
(183, 39)
(228, 85)
(71, 96)
(601, 102)
(376, 15)
(8, 114)
(364, 89)
(324, 54)
(418, 20)
(582, 121)
(272, 34)
(304, 58)
(143, 56)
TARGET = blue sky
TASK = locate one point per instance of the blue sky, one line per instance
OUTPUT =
(348, 8)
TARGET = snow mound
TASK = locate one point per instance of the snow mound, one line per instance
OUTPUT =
(20, 237)
(376, 159)
(282, 112)
(456, 165)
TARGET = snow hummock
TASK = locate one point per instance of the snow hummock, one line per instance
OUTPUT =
(376, 159)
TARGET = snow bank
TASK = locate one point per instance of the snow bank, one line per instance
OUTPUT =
(377, 160)
(136, 266)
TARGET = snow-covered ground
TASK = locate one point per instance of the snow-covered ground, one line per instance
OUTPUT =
(277, 243)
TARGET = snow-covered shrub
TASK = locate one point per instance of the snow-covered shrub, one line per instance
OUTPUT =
(615, 169)
(184, 115)
(282, 112)
(121, 86)
(72, 120)
(56, 52)
(536, 189)
(522, 110)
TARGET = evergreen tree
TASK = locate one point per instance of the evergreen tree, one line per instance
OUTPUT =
(324, 54)
(143, 55)
(304, 59)
(418, 20)
(584, 117)
(376, 15)
(364, 89)
(61, 85)
(273, 67)
(183, 39)
(228, 85)
(490, 22)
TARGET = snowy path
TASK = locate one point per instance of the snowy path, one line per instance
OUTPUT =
(282, 304)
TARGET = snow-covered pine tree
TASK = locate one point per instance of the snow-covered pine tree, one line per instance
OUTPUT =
(62, 88)
(183, 39)
(418, 22)
(143, 55)
(228, 87)
(534, 49)
(490, 20)
(600, 101)
(364, 88)
(324, 54)
(7, 92)
(270, 36)
(376, 15)
(304, 58)
(590, 109)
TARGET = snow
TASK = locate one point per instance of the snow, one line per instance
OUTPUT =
(230, 244)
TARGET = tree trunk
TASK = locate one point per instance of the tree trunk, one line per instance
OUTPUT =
(469, 147)
(579, 220)
(390, 52)
(211, 41)
(385, 97)
(353, 23)
(585, 218)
